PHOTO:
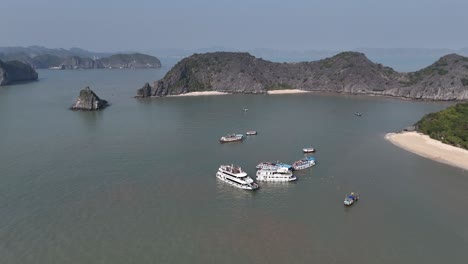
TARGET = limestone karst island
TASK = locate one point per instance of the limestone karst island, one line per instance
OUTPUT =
(347, 72)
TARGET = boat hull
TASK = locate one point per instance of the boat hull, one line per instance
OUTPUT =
(251, 187)
(230, 140)
(268, 179)
(303, 167)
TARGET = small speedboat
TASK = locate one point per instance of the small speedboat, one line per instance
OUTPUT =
(308, 150)
(351, 198)
(357, 114)
(231, 138)
(251, 133)
(304, 163)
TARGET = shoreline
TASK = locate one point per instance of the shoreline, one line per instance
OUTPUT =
(202, 93)
(287, 91)
(315, 92)
(427, 147)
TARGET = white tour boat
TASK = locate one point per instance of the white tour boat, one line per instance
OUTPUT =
(231, 138)
(235, 176)
(304, 163)
(272, 165)
(280, 174)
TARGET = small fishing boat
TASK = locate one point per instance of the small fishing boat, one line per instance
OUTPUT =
(308, 150)
(304, 163)
(357, 114)
(351, 198)
(251, 133)
(272, 165)
(231, 138)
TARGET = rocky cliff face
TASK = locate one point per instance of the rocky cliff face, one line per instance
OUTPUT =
(347, 72)
(16, 71)
(88, 100)
(446, 79)
(76, 62)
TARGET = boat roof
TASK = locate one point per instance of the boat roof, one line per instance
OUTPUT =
(284, 165)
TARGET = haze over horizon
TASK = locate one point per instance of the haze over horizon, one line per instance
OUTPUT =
(243, 25)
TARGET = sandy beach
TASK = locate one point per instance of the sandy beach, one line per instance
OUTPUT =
(287, 91)
(199, 94)
(430, 148)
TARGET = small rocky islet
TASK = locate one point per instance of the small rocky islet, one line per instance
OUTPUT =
(346, 72)
(12, 72)
(89, 101)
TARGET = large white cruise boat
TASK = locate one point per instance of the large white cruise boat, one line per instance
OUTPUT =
(235, 176)
(279, 174)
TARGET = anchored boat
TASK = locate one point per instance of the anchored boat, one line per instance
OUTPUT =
(235, 176)
(304, 163)
(231, 138)
(351, 198)
(308, 150)
(279, 174)
(251, 133)
(273, 165)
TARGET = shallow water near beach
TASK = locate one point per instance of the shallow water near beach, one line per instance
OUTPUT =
(136, 183)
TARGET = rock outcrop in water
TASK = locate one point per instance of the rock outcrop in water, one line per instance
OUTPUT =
(347, 72)
(145, 91)
(16, 71)
(88, 100)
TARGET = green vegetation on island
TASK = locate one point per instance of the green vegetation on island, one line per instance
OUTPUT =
(449, 126)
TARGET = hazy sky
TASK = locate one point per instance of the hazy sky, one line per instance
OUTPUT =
(242, 24)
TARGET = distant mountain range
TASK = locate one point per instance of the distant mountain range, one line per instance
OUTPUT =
(76, 58)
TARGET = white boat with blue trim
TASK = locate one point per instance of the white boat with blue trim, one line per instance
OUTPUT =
(272, 165)
(304, 163)
(351, 198)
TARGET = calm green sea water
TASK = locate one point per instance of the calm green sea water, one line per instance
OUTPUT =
(136, 183)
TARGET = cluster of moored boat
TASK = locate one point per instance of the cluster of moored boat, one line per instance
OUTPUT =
(266, 171)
